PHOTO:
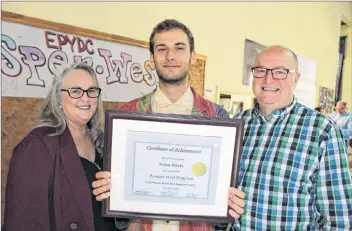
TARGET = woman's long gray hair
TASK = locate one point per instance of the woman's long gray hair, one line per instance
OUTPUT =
(53, 116)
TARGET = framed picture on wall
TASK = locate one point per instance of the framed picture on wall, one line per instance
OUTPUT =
(251, 49)
(326, 98)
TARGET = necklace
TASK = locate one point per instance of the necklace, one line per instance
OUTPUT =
(96, 165)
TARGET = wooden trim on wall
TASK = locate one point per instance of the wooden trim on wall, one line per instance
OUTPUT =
(45, 24)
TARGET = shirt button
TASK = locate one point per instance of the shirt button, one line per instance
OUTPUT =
(73, 225)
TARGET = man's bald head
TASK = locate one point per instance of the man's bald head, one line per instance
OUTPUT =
(341, 107)
(273, 92)
(277, 48)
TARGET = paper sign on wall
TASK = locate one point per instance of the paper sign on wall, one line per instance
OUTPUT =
(31, 55)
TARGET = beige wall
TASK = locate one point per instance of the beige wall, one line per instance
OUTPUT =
(347, 66)
(311, 29)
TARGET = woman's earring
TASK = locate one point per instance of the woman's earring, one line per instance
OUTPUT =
(60, 105)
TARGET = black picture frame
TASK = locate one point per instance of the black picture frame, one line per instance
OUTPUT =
(174, 121)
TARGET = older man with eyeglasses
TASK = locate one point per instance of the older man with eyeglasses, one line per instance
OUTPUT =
(294, 167)
(344, 119)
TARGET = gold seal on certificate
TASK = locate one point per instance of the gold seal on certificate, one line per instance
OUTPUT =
(199, 169)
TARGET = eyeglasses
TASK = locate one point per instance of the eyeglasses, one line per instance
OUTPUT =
(77, 92)
(277, 73)
(341, 109)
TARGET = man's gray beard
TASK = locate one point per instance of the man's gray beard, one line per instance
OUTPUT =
(171, 81)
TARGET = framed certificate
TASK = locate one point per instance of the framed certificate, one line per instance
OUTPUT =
(172, 167)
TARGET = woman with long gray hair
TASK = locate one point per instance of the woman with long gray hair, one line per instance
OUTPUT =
(49, 185)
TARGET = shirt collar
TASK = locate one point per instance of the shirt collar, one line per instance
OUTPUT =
(161, 100)
(278, 113)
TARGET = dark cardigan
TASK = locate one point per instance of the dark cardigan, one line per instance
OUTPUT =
(27, 190)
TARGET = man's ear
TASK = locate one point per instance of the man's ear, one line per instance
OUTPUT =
(151, 58)
(298, 75)
(193, 57)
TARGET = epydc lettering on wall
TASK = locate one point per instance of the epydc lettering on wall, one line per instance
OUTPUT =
(31, 55)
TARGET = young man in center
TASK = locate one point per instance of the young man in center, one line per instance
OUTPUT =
(171, 46)
(172, 52)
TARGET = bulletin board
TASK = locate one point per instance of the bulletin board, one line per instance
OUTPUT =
(19, 111)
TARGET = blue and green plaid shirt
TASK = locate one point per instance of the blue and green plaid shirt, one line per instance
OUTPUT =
(294, 171)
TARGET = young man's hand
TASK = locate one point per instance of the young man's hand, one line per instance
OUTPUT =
(236, 202)
(102, 185)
